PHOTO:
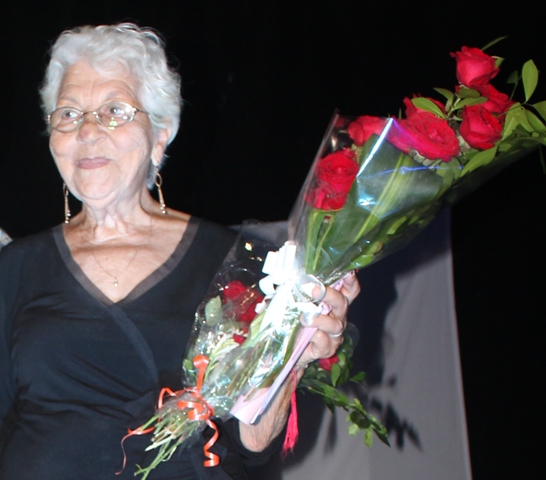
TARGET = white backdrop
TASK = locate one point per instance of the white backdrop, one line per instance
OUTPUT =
(409, 347)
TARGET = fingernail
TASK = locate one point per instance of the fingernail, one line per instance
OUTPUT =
(318, 292)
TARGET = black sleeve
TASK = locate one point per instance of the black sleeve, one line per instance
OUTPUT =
(8, 279)
(250, 458)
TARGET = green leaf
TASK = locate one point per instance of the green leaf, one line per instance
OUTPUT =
(353, 429)
(359, 377)
(540, 107)
(466, 102)
(428, 105)
(341, 400)
(341, 359)
(213, 310)
(513, 119)
(493, 42)
(524, 121)
(448, 94)
(513, 78)
(344, 377)
(465, 92)
(504, 146)
(359, 419)
(368, 437)
(535, 122)
(335, 373)
(329, 391)
(479, 160)
(529, 75)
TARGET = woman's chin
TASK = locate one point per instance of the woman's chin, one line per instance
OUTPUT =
(98, 198)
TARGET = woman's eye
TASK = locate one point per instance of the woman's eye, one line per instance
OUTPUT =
(69, 114)
(115, 111)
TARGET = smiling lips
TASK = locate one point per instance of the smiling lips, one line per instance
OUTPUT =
(92, 163)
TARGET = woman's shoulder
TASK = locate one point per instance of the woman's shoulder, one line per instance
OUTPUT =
(210, 242)
(213, 231)
(30, 242)
(268, 235)
(31, 246)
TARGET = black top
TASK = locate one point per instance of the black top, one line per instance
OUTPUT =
(77, 370)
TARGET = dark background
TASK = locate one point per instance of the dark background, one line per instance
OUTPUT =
(260, 82)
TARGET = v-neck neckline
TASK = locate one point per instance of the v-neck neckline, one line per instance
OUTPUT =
(142, 287)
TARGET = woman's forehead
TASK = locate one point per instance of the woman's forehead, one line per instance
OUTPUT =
(82, 79)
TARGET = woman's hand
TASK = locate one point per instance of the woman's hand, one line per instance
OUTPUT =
(325, 342)
(330, 326)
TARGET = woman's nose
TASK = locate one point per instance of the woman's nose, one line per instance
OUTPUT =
(90, 127)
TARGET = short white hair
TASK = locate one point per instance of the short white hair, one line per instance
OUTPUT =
(106, 47)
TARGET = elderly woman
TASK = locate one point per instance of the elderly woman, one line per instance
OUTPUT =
(95, 313)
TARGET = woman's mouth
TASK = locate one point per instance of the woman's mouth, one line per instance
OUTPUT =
(91, 163)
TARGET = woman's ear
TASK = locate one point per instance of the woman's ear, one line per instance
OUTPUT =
(158, 151)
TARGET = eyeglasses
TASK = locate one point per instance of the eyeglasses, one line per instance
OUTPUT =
(112, 115)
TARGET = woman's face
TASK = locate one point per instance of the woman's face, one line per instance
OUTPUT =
(104, 167)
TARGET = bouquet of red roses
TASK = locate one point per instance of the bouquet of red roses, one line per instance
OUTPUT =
(375, 183)
(378, 181)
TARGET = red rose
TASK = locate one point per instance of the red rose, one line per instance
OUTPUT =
(233, 289)
(241, 301)
(326, 363)
(474, 67)
(480, 128)
(424, 132)
(334, 175)
(497, 102)
(239, 338)
(363, 127)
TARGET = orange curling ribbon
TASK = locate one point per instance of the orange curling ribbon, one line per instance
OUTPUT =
(137, 431)
(199, 409)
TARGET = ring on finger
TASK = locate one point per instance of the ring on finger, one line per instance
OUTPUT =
(336, 335)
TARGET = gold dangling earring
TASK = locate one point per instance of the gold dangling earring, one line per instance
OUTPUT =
(67, 214)
(158, 182)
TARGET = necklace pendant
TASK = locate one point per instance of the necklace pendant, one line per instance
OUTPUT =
(116, 283)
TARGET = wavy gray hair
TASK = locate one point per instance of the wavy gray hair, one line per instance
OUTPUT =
(105, 47)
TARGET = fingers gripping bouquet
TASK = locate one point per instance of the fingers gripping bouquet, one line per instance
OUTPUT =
(375, 183)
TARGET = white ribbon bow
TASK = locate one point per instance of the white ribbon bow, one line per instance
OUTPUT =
(287, 287)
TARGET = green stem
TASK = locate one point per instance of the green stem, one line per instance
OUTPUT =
(318, 248)
(314, 225)
(373, 218)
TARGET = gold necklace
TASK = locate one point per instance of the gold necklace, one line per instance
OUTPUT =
(138, 249)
